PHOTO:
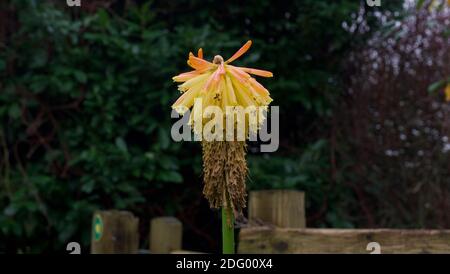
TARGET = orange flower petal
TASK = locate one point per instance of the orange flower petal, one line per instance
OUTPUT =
(211, 81)
(200, 53)
(198, 63)
(215, 78)
(241, 51)
(183, 77)
(242, 76)
(221, 69)
(260, 89)
(259, 72)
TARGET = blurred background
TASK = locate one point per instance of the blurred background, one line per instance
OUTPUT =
(85, 96)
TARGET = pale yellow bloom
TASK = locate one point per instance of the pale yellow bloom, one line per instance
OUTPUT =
(220, 84)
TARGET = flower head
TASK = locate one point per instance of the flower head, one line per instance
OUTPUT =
(218, 83)
(222, 86)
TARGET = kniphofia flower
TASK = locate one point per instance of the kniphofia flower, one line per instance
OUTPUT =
(218, 83)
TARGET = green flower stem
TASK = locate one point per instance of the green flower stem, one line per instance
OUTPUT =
(227, 231)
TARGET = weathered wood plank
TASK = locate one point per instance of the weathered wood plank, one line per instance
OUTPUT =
(281, 240)
(282, 208)
(185, 252)
(165, 235)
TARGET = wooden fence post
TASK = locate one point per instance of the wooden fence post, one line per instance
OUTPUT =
(114, 232)
(165, 235)
(282, 208)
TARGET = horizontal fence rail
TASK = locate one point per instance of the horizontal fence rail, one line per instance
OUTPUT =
(270, 240)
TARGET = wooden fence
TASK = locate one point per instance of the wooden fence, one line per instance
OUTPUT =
(276, 225)
(282, 217)
(116, 232)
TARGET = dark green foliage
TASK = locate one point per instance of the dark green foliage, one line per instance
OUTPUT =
(85, 110)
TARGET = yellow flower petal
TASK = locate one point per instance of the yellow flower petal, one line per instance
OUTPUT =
(194, 81)
(260, 89)
(242, 96)
(223, 88)
(240, 52)
(447, 92)
(231, 96)
(187, 99)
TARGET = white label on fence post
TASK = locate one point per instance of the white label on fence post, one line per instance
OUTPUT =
(73, 3)
(74, 247)
(374, 247)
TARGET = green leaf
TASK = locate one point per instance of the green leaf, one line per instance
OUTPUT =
(14, 111)
(167, 162)
(149, 175)
(10, 210)
(163, 138)
(420, 4)
(103, 17)
(39, 59)
(39, 85)
(88, 187)
(120, 143)
(170, 176)
(80, 76)
(436, 86)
